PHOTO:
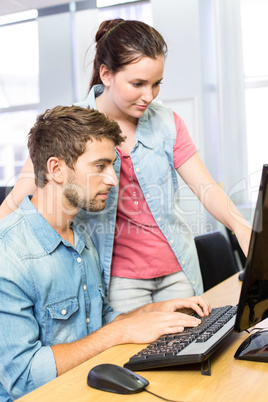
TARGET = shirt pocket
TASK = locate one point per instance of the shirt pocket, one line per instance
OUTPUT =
(61, 320)
(164, 176)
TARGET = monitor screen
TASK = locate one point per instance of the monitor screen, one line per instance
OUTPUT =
(253, 302)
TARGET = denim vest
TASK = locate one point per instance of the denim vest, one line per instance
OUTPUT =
(152, 157)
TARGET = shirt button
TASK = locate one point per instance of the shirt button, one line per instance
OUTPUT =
(138, 169)
(88, 320)
(79, 259)
(171, 241)
(63, 311)
(183, 263)
(85, 287)
(136, 202)
(148, 196)
(159, 219)
(193, 282)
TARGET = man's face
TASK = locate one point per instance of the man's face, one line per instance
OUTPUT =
(88, 184)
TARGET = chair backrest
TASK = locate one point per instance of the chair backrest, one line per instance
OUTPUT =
(236, 247)
(4, 192)
(216, 258)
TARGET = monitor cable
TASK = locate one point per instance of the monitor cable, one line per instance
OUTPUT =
(161, 397)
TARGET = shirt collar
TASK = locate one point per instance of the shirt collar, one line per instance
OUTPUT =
(48, 238)
(95, 91)
(144, 132)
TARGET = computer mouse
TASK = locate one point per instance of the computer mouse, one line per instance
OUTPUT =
(254, 347)
(113, 378)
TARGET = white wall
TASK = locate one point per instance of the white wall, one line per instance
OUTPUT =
(55, 62)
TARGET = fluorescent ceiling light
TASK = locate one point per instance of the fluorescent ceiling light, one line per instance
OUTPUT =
(107, 3)
(17, 17)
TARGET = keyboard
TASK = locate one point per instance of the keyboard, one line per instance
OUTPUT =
(193, 345)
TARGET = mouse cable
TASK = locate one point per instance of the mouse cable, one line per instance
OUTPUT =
(161, 397)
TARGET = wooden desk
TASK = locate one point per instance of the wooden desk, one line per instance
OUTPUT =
(230, 380)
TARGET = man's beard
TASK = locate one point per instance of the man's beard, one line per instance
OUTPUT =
(78, 202)
(77, 198)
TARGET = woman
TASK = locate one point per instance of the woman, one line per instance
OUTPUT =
(152, 249)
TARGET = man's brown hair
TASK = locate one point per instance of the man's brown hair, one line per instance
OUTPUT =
(63, 132)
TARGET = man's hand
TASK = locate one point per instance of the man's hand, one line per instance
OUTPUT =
(190, 304)
(148, 326)
(147, 323)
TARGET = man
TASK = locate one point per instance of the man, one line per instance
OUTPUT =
(54, 314)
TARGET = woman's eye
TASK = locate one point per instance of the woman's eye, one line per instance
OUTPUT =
(137, 84)
(157, 84)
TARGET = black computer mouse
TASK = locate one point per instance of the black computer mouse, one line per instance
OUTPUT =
(254, 347)
(113, 378)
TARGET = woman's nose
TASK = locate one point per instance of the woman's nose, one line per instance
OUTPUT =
(148, 95)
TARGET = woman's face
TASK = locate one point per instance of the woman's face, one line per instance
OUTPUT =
(136, 86)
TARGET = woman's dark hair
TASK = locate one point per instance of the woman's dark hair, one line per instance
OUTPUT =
(120, 42)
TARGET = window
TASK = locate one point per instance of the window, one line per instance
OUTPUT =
(255, 57)
(19, 94)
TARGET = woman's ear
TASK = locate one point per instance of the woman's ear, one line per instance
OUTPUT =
(105, 75)
(55, 168)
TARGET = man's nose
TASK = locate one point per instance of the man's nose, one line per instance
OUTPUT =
(110, 178)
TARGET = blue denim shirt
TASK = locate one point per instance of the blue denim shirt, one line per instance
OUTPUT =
(152, 157)
(50, 293)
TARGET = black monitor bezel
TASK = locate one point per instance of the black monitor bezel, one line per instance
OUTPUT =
(253, 279)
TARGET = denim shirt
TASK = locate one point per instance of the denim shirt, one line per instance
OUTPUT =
(152, 157)
(50, 293)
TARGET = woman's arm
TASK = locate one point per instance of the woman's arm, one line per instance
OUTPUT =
(217, 203)
(24, 185)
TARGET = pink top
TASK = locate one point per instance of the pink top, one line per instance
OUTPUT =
(140, 249)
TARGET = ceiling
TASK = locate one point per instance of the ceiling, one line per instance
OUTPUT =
(17, 6)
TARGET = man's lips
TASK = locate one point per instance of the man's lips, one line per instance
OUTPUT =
(104, 195)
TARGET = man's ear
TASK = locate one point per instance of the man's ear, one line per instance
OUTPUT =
(55, 168)
(105, 75)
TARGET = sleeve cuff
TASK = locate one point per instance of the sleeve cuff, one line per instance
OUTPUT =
(43, 366)
(109, 317)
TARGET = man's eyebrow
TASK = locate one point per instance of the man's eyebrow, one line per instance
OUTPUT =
(107, 160)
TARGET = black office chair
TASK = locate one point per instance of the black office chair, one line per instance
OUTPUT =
(4, 191)
(236, 247)
(216, 258)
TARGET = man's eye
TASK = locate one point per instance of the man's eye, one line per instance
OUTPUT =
(100, 166)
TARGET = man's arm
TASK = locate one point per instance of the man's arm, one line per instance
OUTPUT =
(140, 326)
(37, 363)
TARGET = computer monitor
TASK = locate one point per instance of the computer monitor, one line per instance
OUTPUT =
(253, 302)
